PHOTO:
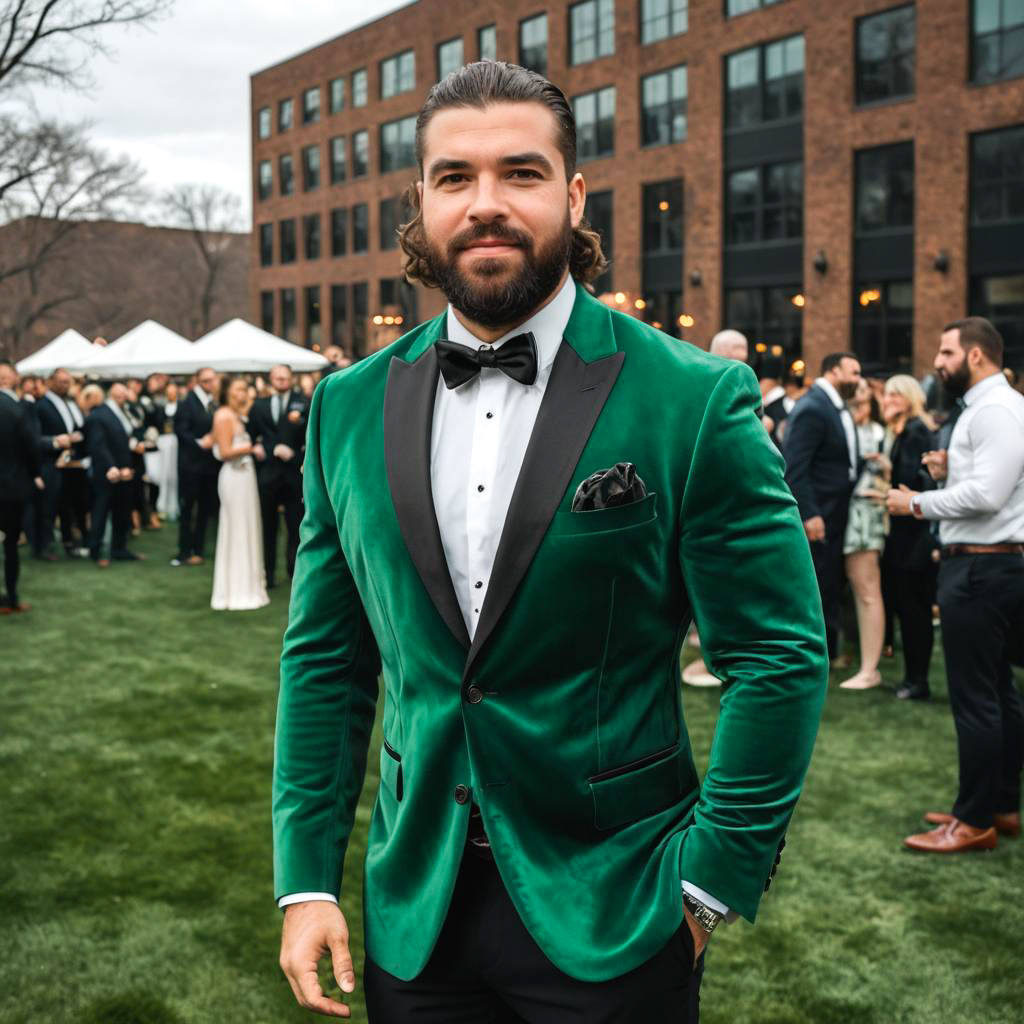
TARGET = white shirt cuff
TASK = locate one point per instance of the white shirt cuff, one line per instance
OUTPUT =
(709, 901)
(305, 897)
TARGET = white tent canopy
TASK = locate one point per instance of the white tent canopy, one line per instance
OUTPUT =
(148, 348)
(67, 349)
(239, 347)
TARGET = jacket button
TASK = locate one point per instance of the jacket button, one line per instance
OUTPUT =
(461, 794)
(474, 695)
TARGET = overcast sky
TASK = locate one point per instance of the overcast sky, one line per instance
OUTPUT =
(175, 97)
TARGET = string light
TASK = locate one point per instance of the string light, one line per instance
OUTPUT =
(686, 320)
(620, 297)
(799, 301)
(639, 304)
(378, 320)
(760, 347)
(663, 206)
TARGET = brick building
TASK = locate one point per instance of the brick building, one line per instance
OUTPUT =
(820, 176)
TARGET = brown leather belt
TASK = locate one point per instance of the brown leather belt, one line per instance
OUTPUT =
(956, 550)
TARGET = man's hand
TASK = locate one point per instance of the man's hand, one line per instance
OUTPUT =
(937, 463)
(283, 452)
(126, 474)
(898, 501)
(700, 937)
(62, 441)
(38, 481)
(310, 930)
(259, 452)
(113, 474)
(139, 448)
(205, 442)
(815, 529)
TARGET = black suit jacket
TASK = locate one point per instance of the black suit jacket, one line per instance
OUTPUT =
(52, 423)
(910, 542)
(818, 458)
(191, 422)
(108, 444)
(19, 451)
(290, 429)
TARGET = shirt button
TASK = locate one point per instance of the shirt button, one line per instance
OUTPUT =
(478, 584)
(490, 415)
(474, 694)
(480, 488)
(461, 794)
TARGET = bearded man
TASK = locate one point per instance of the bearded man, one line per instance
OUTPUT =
(515, 510)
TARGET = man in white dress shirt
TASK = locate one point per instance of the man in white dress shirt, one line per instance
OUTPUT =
(981, 585)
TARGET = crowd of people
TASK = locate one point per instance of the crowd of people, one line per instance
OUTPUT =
(85, 468)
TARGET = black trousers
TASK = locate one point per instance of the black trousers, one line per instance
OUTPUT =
(113, 501)
(197, 496)
(12, 514)
(284, 489)
(909, 596)
(73, 506)
(981, 598)
(486, 969)
(827, 556)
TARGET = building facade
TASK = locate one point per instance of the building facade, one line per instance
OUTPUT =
(819, 176)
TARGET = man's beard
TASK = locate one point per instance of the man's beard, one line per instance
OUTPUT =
(498, 303)
(847, 389)
(957, 382)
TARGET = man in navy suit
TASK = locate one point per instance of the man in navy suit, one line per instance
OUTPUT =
(822, 462)
(197, 467)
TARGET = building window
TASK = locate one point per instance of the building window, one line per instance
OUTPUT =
(336, 95)
(360, 87)
(267, 311)
(312, 295)
(360, 312)
(266, 245)
(392, 215)
(663, 217)
(360, 227)
(533, 43)
(771, 317)
(449, 57)
(263, 123)
(1001, 300)
(360, 154)
(664, 107)
(337, 159)
(595, 123)
(765, 203)
(265, 180)
(285, 115)
(660, 19)
(997, 40)
(286, 174)
(339, 231)
(997, 176)
(591, 30)
(885, 188)
(487, 42)
(289, 329)
(765, 83)
(311, 105)
(598, 213)
(310, 168)
(883, 324)
(311, 236)
(398, 74)
(886, 43)
(397, 296)
(736, 7)
(398, 144)
(339, 314)
(286, 241)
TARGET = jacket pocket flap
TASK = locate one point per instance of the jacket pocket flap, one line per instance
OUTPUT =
(640, 789)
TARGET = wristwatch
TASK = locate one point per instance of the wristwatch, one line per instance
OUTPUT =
(915, 506)
(707, 918)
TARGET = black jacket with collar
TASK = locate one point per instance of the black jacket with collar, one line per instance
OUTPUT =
(108, 444)
(19, 451)
(191, 422)
(290, 429)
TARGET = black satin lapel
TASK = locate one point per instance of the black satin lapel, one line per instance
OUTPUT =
(408, 417)
(575, 395)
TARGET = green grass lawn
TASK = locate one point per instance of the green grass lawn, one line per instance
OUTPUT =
(135, 868)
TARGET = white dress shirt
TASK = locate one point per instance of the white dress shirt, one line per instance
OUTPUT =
(119, 413)
(69, 412)
(847, 417)
(477, 444)
(983, 500)
(203, 397)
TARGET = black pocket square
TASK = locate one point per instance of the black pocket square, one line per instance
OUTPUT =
(609, 488)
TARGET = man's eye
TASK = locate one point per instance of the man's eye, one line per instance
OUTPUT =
(452, 179)
(525, 173)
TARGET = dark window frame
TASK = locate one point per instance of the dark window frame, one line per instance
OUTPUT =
(312, 313)
(493, 28)
(311, 168)
(606, 231)
(762, 208)
(287, 104)
(264, 123)
(399, 153)
(437, 55)
(360, 227)
(1005, 189)
(360, 87)
(978, 40)
(664, 229)
(311, 111)
(887, 323)
(287, 243)
(603, 124)
(756, 6)
(653, 118)
(762, 86)
(597, 38)
(889, 222)
(675, 8)
(764, 327)
(286, 178)
(268, 316)
(542, 67)
(289, 325)
(338, 168)
(402, 68)
(264, 188)
(360, 161)
(336, 104)
(339, 231)
(312, 248)
(888, 63)
(266, 244)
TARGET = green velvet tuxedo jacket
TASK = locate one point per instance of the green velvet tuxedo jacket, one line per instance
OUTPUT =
(563, 718)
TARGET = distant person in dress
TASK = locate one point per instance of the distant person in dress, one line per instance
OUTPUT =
(239, 583)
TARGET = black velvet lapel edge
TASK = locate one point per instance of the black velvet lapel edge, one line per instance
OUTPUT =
(408, 418)
(575, 395)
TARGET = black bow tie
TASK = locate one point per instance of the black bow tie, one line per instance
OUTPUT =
(517, 358)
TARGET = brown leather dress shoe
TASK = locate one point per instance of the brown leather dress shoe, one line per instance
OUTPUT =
(953, 837)
(1005, 824)
(194, 560)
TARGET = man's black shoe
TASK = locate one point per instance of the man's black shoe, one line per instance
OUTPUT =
(913, 691)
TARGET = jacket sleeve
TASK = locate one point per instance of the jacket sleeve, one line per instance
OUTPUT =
(747, 568)
(97, 446)
(184, 424)
(329, 669)
(803, 438)
(27, 441)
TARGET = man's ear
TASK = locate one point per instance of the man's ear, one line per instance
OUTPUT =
(577, 199)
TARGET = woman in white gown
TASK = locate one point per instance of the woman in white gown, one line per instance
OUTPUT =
(239, 580)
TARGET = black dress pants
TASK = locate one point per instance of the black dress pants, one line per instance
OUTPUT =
(910, 594)
(197, 495)
(12, 514)
(113, 501)
(981, 598)
(486, 969)
(827, 556)
(73, 507)
(284, 489)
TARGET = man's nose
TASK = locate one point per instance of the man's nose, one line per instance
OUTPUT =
(488, 201)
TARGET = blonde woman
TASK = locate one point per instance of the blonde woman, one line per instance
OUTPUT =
(239, 583)
(865, 539)
(909, 572)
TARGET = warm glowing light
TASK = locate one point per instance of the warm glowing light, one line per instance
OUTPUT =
(378, 320)
(869, 295)
(389, 320)
(663, 206)
(657, 324)
(799, 301)
(620, 297)
(640, 304)
(798, 366)
(760, 347)
(776, 350)
(399, 320)
(686, 320)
